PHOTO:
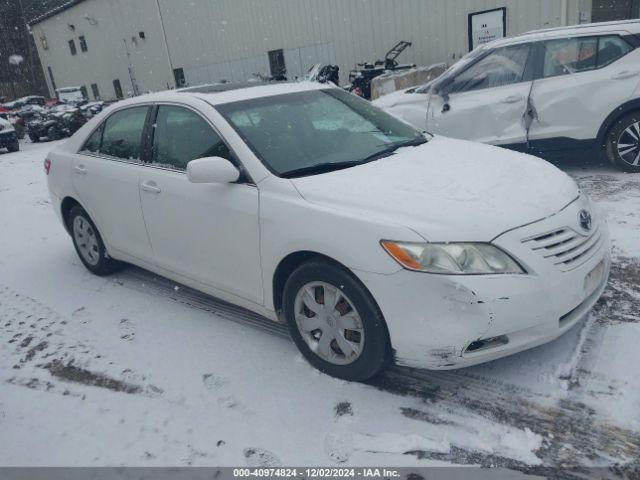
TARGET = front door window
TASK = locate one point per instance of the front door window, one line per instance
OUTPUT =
(504, 66)
(182, 135)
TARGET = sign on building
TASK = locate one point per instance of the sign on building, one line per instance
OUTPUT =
(487, 26)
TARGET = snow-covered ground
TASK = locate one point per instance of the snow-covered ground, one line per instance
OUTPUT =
(135, 370)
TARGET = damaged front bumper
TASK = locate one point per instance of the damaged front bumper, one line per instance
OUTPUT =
(452, 321)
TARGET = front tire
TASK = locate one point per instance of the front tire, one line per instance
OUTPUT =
(335, 322)
(14, 147)
(89, 244)
(55, 133)
(623, 143)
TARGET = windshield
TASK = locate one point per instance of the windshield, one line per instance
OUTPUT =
(317, 131)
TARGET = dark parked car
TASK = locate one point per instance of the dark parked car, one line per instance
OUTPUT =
(8, 136)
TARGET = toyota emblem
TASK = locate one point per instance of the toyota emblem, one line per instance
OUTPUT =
(585, 220)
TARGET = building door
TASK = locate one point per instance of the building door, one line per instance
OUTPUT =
(276, 64)
(117, 87)
(178, 75)
(53, 80)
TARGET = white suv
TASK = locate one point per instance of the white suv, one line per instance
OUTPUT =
(548, 91)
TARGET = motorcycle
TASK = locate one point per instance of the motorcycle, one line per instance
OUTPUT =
(360, 79)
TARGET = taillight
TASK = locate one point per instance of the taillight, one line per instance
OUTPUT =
(47, 166)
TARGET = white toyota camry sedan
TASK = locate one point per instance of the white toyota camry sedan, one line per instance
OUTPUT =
(374, 242)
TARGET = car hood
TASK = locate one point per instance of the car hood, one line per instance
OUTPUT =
(401, 97)
(447, 190)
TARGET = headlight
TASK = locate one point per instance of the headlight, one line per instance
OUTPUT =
(452, 258)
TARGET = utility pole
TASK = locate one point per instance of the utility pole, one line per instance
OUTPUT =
(166, 43)
(132, 77)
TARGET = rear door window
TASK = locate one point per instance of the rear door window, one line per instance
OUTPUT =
(611, 48)
(569, 55)
(574, 55)
(122, 135)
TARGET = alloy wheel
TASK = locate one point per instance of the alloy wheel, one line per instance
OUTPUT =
(329, 323)
(629, 144)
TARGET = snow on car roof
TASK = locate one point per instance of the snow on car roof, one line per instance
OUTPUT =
(217, 95)
(227, 93)
(631, 26)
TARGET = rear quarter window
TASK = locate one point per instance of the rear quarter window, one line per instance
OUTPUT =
(92, 145)
(611, 48)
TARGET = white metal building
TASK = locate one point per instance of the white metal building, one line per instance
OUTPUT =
(119, 47)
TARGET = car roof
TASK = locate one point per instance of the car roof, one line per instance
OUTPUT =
(630, 26)
(218, 94)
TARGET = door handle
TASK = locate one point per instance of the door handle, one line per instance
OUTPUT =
(513, 99)
(151, 187)
(80, 170)
(624, 75)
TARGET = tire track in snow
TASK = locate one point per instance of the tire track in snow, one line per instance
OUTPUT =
(34, 334)
(573, 433)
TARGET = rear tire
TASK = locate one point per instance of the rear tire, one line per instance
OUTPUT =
(89, 245)
(623, 143)
(14, 147)
(34, 138)
(354, 322)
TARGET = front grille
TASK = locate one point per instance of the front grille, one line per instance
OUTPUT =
(566, 248)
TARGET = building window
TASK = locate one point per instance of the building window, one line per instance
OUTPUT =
(277, 65)
(83, 90)
(72, 47)
(83, 44)
(95, 91)
(142, 35)
(117, 88)
(178, 75)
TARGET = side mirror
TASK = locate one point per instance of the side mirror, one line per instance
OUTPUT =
(212, 170)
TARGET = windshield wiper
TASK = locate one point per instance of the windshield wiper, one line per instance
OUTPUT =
(333, 166)
(392, 147)
(319, 168)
